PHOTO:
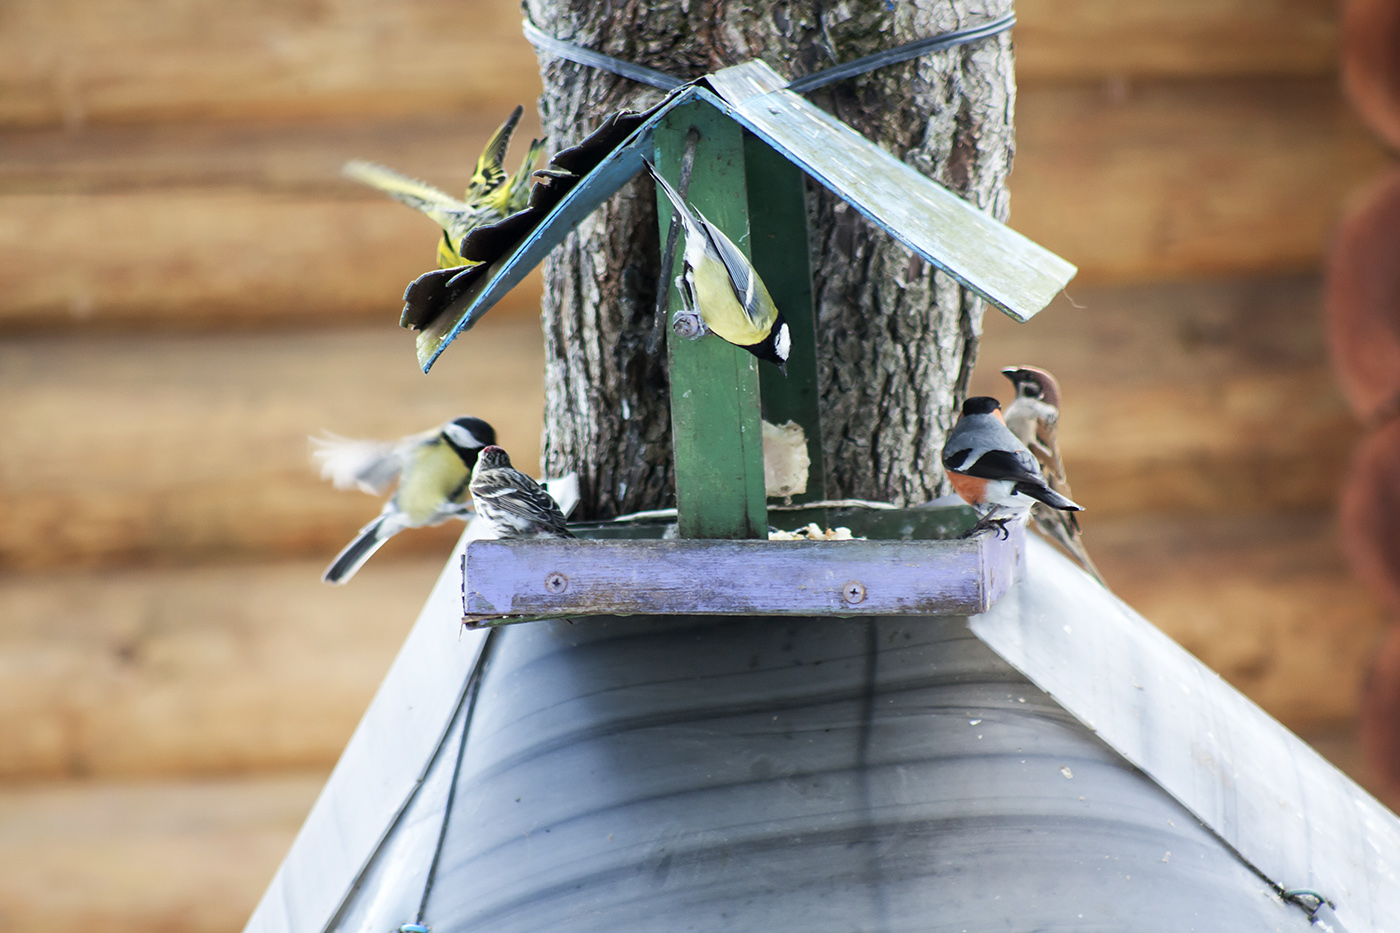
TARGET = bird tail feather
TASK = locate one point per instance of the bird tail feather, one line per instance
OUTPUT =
(1049, 496)
(356, 552)
(1061, 529)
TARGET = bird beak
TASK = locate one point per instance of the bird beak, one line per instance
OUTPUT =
(782, 368)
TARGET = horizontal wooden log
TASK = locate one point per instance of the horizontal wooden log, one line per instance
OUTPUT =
(1208, 396)
(195, 259)
(1205, 396)
(1080, 39)
(175, 856)
(250, 225)
(74, 61)
(161, 449)
(1266, 601)
(197, 671)
(1137, 181)
(556, 579)
(242, 667)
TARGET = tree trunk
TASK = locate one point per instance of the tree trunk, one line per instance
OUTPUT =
(897, 340)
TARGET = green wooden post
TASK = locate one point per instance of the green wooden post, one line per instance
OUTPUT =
(715, 421)
(778, 248)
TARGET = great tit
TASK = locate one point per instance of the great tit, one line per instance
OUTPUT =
(433, 470)
(513, 504)
(720, 285)
(491, 195)
(992, 471)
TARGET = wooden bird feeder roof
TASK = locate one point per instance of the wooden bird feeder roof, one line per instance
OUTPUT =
(986, 256)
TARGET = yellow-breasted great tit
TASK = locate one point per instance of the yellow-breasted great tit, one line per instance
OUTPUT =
(513, 504)
(433, 470)
(720, 285)
(491, 195)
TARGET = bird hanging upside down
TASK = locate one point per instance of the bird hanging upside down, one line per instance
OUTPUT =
(992, 471)
(1034, 417)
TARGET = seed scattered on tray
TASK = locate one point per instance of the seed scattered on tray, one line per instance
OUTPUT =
(814, 532)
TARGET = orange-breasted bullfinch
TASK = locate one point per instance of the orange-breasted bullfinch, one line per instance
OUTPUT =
(1034, 417)
(433, 470)
(991, 470)
(513, 504)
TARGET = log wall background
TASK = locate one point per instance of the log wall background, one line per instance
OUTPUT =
(189, 289)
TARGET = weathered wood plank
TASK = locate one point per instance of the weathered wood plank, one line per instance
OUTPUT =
(123, 857)
(778, 247)
(198, 671)
(763, 578)
(192, 259)
(716, 422)
(177, 449)
(71, 61)
(1000, 264)
(1137, 181)
(123, 60)
(1109, 39)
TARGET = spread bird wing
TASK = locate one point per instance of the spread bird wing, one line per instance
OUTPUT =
(490, 171)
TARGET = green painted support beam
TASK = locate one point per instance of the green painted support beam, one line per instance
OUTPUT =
(716, 426)
(778, 248)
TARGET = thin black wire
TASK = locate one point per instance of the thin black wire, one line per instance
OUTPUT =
(472, 690)
(819, 79)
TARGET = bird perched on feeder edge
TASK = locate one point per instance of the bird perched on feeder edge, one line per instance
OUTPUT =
(433, 470)
(513, 504)
(491, 195)
(721, 287)
(992, 471)
(1034, 417)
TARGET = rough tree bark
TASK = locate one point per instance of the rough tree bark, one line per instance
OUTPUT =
(897, 340)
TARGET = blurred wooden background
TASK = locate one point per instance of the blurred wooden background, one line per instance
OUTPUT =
(189, 289)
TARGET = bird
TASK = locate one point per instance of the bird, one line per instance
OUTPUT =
(992, 471)
(491, 195)
(433, 470)
(1034, 417)
(513, 504)
(721, 287)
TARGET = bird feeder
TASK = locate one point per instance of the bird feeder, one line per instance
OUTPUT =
(676, 759)
(750, 141)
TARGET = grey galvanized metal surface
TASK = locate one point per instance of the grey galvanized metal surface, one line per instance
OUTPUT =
(534, 579)
(807, 774)
(381, 769)
(1298, 820)
(996, 262)
(1010, 271)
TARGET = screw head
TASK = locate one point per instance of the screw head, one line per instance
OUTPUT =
(853, 592)
(556, 583)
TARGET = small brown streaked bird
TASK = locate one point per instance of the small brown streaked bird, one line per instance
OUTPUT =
(1034, 417)
(993, 471)
(513, 504)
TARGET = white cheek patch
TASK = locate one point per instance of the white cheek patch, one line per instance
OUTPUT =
(783, 344)
(461, 436)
